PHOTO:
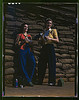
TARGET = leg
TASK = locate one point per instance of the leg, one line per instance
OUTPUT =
(42, 64)
(31, 64)
(52, 65)
(23, 63)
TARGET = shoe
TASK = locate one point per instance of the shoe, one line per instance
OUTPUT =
(21, 86)
(31, 84)
(51, 84)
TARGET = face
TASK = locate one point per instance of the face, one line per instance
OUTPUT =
(25, 28)
(49, 24)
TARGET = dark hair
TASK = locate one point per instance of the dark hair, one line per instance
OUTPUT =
(48, 19)
(22, 27)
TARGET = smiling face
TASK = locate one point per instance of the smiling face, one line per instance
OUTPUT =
(25, 28)
(49, 24)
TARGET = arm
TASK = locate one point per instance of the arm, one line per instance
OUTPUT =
(18, 40)
(41, 40)
(53, 40)
(54, 37)
(28, 39)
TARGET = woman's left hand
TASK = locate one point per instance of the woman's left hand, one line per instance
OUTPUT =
(27, 40)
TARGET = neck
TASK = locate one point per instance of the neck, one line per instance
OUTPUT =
(48, 28)
(25, 33)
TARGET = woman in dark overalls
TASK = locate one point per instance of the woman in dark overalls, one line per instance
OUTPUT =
(47, 54)
(26, 58)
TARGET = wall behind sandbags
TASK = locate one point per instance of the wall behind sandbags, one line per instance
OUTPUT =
(64, 19)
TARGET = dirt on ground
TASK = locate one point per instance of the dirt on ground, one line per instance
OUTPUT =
(68, 90)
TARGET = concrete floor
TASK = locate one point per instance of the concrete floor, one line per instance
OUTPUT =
(68, 90)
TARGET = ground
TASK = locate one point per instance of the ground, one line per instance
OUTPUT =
(68, 90)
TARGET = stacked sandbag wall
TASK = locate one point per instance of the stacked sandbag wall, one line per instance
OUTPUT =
(64, 19)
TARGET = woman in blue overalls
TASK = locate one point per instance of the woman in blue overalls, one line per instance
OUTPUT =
(26, 58)
(47, 54)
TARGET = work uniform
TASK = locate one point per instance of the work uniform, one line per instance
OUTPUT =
(26, 58)
(47, 55)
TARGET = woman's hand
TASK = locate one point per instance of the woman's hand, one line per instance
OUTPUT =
(53, 40)
(48, 38)
(27, 40)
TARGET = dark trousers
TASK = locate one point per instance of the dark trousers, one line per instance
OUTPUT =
(47, 55)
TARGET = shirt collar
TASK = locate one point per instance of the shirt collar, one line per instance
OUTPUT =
(49, 29)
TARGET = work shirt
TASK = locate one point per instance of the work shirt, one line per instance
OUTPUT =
(21, 38)
(52, 33)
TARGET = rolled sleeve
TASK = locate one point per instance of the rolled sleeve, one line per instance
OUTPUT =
(55, 35)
